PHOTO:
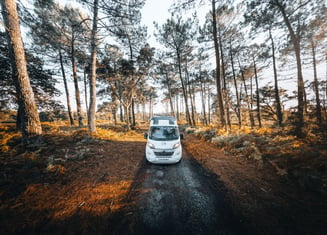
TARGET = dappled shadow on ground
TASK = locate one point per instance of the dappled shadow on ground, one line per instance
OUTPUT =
(81, 184)
(269, 203)
(73, 184)
(183, 198)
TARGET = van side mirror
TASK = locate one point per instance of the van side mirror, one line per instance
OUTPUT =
(145, 135)
(181, 136)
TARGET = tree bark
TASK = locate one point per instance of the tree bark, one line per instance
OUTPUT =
(224, 88)
(169, 94)
(325, 107)
(189, 91)
(187, 112)
(133, 113)
(202, 93)
(209, 103)
(277, 98)
(217, 55)
(30, 122)
(257, 93)
(238, 102)
(195, 118)
(143, 111)
(177, 106)
(70, 115)
(77, 92)
(247, 100)
(92, 106)
(127, 117)
(300, 84)
(85, 89)
(151, 107)
(316, 86)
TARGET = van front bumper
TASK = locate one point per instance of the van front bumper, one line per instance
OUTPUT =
(163, 156)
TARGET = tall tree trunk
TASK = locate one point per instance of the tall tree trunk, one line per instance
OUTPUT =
(70, 115)
(305, 100)
(114, 114)
(92, 106)
(257, 93)
(177, 106)
(217, 55)
(224, 88)
(227, 108)
(325, 105)
(169, 94)
(151, 107)
(316, 86)
(209, 103)
(326, 76)
(85, 90)
(77, 92)
(194, 104)
(172, 113)
(121, 112)
(181, 105)
(301, 92)
(127, 116)
(238, 101)
(247, 100)
(30, 122)
(300, 84)
(187, 112)
(19, 112)
(251, 101)
(143, 111)
(276, 87)
(189, 91)
(202, 93)
(133, 114)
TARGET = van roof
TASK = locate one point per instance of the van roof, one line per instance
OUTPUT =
(163, 120)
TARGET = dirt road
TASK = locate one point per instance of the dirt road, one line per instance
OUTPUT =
(110, 189)
(181, 199)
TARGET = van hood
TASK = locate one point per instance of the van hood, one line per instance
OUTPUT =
(162, 144)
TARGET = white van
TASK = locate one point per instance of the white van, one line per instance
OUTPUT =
(163, 141)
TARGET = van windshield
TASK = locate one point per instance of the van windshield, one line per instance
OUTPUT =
(164, 133)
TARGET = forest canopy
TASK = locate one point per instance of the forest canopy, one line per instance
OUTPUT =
(241, 66)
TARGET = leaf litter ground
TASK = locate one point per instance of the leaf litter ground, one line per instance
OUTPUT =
(76, 183)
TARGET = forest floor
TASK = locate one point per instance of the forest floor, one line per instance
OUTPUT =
(77, 184)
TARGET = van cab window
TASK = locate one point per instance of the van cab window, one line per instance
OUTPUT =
(163, 133)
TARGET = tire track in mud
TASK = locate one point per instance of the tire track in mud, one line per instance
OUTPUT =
(182, 199)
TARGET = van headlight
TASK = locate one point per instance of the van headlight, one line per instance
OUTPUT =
(176, 145)
(151, 146)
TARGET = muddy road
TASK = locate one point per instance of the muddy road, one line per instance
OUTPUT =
(180, 199)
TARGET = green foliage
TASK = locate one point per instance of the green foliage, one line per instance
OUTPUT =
(42, 81)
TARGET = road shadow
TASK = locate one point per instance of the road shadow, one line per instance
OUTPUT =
(183, 198)
(163, 199)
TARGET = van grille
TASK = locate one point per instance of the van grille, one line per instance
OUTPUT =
(164, 153)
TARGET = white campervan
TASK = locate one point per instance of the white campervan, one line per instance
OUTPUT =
(163, 141)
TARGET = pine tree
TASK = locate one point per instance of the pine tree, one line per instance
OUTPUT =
(30, 125)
